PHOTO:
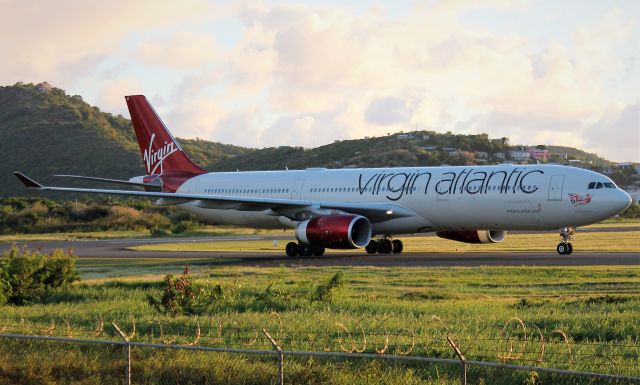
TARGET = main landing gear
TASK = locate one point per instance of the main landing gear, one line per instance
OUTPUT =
(303, 250)
(565, 246)
(384, 246)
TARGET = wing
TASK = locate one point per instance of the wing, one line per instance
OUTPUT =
(290, 208)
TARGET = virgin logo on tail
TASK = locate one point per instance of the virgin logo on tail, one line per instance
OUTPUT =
(153, 159)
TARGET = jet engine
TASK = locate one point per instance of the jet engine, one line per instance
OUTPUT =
(473, 236)
(342, 231)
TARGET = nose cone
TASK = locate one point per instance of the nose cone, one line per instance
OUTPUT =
(623, 200)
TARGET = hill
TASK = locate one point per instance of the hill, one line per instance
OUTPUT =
(419, 148)
(45, 131)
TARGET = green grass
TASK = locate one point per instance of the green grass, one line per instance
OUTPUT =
(403, 308)
(208, 231)
(627, 241)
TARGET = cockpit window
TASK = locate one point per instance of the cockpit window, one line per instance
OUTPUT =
(598, 185)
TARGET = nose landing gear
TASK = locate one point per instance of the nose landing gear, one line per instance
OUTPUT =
(565, 246)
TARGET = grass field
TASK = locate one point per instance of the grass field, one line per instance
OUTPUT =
(579, 318)
(545, 242)
(209, 231)
(406, 309)
(213, 231)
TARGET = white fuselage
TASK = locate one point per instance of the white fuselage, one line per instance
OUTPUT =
(504, 197)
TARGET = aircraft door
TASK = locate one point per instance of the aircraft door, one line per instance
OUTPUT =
(296, 189)
(555, 188)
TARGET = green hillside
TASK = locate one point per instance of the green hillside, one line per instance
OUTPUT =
(45, 132)
(420, 148)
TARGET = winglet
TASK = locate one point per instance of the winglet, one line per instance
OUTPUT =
(26, 180)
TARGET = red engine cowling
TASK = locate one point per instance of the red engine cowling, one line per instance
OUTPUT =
(473, 236)
(335, 231)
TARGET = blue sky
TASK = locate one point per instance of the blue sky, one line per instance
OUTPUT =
(308, 73)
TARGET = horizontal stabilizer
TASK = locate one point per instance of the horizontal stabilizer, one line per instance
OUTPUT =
(148, 186)
(26, 180)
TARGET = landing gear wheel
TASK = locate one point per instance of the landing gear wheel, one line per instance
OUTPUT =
(291, 249)
(562, 248)
(317, 250)
(304, 250)
(565, 247)
(384, 246)
(397, 246)
(372, 247)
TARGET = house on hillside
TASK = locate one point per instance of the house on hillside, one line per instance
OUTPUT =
(481, 154)
(500, 155)
(404, 136)
(538, 154)
(44, 87)
(624, 165)
(575, 163)
(519, 155)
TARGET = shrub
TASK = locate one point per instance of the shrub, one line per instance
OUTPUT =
(26, 275)
(184, 226)
(177, 294)
(632, 211)
(326, 291)
(180, 296)
(158, 231)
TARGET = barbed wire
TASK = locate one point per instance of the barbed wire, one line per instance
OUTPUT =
(516, 342)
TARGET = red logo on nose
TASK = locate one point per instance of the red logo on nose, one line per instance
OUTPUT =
(579, 200)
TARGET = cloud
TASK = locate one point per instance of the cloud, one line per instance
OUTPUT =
(388, 110)
(197, 118)
(64, 40)
(112, 95)
(297, 130)
(184, 50)
(617, 134)
(308, 74)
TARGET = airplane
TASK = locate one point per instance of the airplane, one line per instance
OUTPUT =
(366, 207)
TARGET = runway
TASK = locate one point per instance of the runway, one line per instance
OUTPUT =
(116, 248)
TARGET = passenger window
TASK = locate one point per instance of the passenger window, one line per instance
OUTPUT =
(599, 185)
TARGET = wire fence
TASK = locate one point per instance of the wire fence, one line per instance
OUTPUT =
(514, 342)
(207, 352)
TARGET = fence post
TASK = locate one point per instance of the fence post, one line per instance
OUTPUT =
(280, 357)
(463, 378)
(127, 380)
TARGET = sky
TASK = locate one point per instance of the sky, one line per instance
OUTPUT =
(308, 73)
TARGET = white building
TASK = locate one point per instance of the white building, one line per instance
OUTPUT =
(519, 155)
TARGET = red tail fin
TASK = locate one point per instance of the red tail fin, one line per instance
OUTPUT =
(160, 152)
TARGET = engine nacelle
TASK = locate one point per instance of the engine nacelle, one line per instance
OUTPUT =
(335, 231)
(473, 236)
